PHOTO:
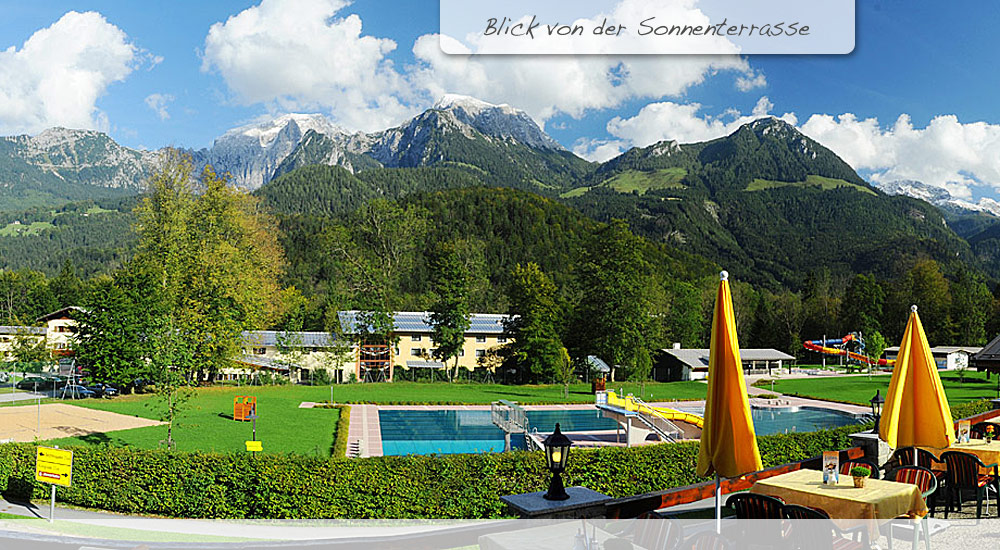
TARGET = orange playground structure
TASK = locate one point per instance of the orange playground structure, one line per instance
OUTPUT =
(244, 407)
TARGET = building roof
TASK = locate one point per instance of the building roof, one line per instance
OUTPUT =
(262, 363)
(698, 358)
(943, 350)
(990, 353)
(270, 338)
(18, 330)
(63, 313)
(419, 321)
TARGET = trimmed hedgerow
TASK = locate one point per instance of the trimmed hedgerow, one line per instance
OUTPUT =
(208, 485)
(340, 437)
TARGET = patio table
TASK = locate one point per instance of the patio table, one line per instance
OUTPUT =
(989, 453)
(878, 502)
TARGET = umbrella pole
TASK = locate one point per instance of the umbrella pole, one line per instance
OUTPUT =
(718, 505)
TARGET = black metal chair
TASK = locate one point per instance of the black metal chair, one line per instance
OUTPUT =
(812, 529)
(654, 532)
(978, 430)
(963, 475)
(925, 459)
(706, 541)
(924, 479)
(769, 533)
(845, 468)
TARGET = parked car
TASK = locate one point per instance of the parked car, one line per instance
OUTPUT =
(77, 392)
(33, 383)
(103, 390)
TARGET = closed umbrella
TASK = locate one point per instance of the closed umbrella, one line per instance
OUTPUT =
(916, 411)
(728, 440)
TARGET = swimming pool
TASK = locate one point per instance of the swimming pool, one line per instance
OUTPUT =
(472, 431)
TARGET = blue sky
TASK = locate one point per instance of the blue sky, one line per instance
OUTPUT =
(916, 99)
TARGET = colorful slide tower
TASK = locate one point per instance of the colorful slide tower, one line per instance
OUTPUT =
(839, 346)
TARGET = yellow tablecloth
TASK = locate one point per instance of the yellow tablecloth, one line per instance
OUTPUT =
(877, 502)
(989, 453)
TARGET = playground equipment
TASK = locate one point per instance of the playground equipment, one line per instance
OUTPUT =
(634, 404)
(839, 346)
(244, 408)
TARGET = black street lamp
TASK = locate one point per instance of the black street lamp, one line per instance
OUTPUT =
(556, 452)
(877, 403)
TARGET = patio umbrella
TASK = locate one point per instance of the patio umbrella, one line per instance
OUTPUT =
(728, 440)
(916, 411)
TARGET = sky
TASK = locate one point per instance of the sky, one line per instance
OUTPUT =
(915, 100)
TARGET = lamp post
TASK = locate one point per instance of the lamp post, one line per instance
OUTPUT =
(556, 452)
(877, 403)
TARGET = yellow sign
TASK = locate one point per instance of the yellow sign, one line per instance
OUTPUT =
(54, 466)
(255, 446)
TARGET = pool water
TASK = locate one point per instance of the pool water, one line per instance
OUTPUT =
(452, 431)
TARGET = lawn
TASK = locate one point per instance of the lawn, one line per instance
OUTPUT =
(203, 425)
(823, 183)
(860, 389)
(283, 427)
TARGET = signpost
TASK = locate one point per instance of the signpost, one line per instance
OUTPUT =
(55, 467)
(255, 446)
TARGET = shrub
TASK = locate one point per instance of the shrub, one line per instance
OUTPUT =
(343, 424)
(971, 408)
(237, 485)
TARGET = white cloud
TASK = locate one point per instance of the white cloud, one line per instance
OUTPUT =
(58, 74)
(301, 55)
(946, 153)
(750, 82)
(158, 103)
(667, 120)
(307, 54)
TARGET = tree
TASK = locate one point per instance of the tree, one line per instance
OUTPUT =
(615, 314)
(875, 345)
(67, 288)
(972, 303)
(862, 305)
(533, 324)
(565, 370)
(30, 349)
(452, 283)
(120, 327)
(215, 259)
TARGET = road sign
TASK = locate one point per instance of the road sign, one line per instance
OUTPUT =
(255, 446)
(54, 466)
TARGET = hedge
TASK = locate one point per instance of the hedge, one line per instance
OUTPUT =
(206, 485)
(343, 425)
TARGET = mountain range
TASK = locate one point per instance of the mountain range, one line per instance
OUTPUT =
(767, 202)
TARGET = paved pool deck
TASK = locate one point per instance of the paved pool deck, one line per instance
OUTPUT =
(365, 433)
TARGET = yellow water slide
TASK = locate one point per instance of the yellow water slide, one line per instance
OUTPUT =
(630, 403)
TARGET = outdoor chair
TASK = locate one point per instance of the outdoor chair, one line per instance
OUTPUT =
(652, 531)
(845, 468)
(812, 529)
(925, 459)
(750, 508)
(978, 431)
(924, 479)
(706, 541)
(963, 475)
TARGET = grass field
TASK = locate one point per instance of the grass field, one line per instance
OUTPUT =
(638, 181)
(16, 230)
(859, 389)
(823, 183)
(203, 425)
(283, 427)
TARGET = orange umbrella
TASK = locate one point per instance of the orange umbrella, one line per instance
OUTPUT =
(728, 440)
(916, 411)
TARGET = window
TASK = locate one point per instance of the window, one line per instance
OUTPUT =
(415, 338)
(259, 351)
(416, 352)
(480, 353)
(480, 339)
(461, 353)
(501, 339)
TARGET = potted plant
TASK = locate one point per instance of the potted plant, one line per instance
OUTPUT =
(989, 433)
(860, 473)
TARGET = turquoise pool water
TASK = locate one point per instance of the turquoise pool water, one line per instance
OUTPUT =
(451, 431)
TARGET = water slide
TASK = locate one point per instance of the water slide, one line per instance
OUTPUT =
(632, 404)
(820, 346)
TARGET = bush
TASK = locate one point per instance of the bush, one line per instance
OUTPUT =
(971, 408)
(340, 438)
(237, 485)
